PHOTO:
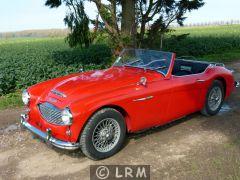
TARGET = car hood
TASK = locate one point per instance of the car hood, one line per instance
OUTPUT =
(97, 82)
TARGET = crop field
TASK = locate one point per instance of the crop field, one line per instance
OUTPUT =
(26, 61)
(216, 31)
(218, 43)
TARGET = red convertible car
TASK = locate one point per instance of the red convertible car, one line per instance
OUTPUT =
(95, 110)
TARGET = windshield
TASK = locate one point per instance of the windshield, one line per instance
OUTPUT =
(146, 59)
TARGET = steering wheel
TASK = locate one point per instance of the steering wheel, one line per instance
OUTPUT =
(145, 65)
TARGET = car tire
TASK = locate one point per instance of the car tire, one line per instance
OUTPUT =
(103, 135)
(213, 105)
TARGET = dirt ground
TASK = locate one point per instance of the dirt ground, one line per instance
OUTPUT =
(195, 147)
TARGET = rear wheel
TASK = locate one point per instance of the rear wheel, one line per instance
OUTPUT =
(214, 99)
(104, 134)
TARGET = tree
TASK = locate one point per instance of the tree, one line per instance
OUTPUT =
(77, 22)
(131, 22)
(161, 13)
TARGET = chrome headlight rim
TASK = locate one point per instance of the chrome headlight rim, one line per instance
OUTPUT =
(67, 116)
(26, 97)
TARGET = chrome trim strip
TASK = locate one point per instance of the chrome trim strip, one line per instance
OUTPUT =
(143, 99)
(47, 137)
(200, 80)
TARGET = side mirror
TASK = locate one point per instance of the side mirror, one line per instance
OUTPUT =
(81, 70)
(142, 81)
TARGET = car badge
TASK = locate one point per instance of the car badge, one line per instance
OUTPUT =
(58, 93)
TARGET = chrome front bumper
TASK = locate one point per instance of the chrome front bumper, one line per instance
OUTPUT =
(237, 84)
(47, 137)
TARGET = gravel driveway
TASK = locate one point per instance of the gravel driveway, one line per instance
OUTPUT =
(195, 147)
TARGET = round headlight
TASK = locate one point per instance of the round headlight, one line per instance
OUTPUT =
(25, 97)
(67, 116)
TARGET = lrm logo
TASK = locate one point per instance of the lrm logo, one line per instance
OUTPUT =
(119, 172)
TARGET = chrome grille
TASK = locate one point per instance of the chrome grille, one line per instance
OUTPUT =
(51, 113)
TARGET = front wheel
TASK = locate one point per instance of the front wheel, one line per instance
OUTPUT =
(104, 134)
(214, 99)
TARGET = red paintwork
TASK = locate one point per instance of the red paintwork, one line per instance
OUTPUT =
(174, 97)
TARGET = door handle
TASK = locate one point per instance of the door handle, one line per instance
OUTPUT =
(143, 99)
(200, 80)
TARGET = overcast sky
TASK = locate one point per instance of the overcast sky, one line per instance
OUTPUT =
(18, 15)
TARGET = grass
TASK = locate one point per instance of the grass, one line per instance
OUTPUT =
(216, 31)
(224, 57)
(11, 100)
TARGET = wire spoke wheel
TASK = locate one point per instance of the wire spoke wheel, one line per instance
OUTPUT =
(106, 135)
(215, 98)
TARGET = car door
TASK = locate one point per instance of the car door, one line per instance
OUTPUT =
(185, 95)
(150, 104)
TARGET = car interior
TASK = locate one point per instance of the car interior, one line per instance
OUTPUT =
(187, 67)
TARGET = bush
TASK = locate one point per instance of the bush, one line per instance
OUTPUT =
(97, 54)
(199, 46)
(27, 62)
(200, 41)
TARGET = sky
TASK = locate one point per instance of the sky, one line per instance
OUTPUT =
(17, 15)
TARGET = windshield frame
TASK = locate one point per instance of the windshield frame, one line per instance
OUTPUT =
(168, 72)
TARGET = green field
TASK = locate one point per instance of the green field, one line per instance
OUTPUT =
(26, 61)
(216, 31)
(213, 43)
